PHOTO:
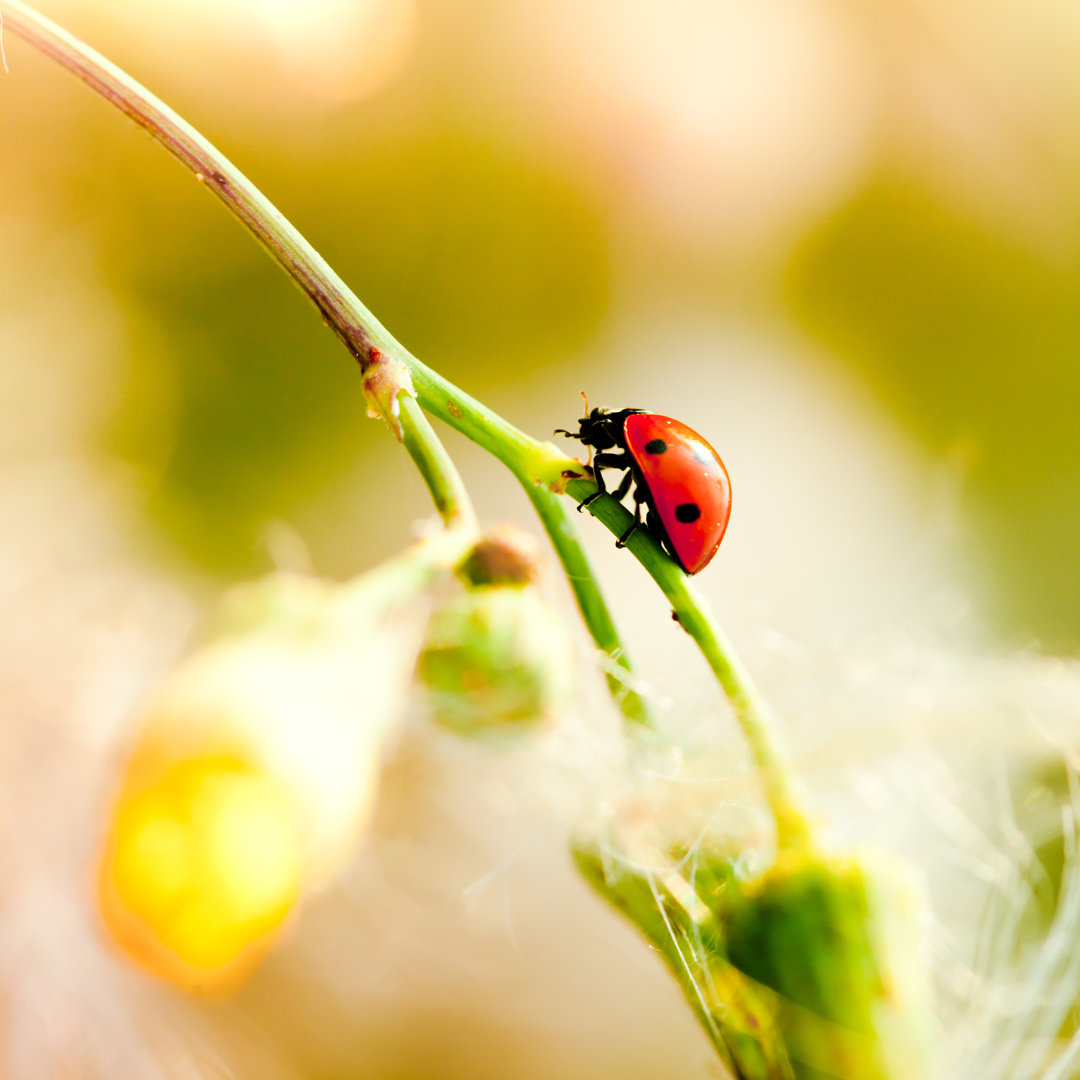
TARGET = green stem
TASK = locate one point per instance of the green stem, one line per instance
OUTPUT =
(345, 314)
(555, 515)
(418, 566)
(363, 335)
(780, 785)
(435, 464)
(386, 362)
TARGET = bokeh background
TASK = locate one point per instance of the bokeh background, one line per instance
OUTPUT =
(843, 241)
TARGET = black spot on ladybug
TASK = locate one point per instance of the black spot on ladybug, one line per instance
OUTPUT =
(655, 446)
(687, 512)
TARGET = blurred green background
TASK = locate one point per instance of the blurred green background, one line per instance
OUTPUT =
(509, 186)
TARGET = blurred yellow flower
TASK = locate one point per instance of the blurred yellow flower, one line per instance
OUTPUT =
(254, 771)
(202, 866)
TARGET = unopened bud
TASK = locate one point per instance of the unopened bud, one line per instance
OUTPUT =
(505, 556)
(809, 969)
(496, 660)
(835, 941)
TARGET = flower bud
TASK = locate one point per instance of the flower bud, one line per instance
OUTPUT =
(807, 970)
(496, 661)
(505, 556)
(836, 942)
(254, 772)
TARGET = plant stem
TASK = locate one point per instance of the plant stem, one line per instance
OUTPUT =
(435, 464)
(422, 563)
(363, 335)
(341, 310)
(561, 528)
(531, 461)
(692, 612)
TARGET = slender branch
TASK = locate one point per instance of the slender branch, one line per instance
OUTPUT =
(421, 564)
(692, 612)
(435, 464)
(555, 515)
(345, 314)
(532, 462)
(363, 335)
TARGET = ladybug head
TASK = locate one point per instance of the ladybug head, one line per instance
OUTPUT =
(601, 428)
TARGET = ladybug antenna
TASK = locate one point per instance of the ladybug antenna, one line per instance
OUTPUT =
(585, 398)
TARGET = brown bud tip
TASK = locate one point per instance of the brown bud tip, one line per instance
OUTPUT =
(505, 556)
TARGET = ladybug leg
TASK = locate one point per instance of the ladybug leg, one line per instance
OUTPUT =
(620, 493)
(654, 526)
(612, 461)
(621, 542)
(623, 489)
(601, 489)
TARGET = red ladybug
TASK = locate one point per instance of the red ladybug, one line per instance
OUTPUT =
(673, 470)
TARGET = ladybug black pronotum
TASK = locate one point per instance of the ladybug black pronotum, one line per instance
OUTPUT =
(672, 470)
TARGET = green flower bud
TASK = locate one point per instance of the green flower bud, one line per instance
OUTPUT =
(835, 941)
(666, 904)
(808, 971)
(496, 660)
(505, 556)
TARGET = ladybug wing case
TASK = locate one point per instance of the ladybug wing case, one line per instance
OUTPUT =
(689, 487)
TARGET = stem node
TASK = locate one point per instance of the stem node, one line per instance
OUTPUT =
(385, 380)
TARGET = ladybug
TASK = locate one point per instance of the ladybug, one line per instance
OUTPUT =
(672, 470)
